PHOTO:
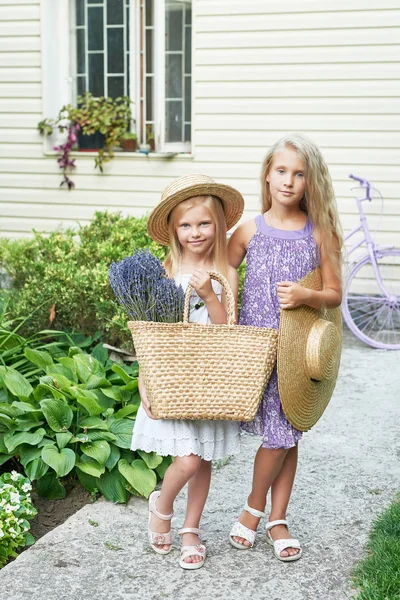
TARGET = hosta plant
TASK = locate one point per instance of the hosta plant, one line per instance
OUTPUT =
(16, 509)
(72, 414)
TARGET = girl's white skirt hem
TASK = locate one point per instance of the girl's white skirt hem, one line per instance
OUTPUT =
(211, 440)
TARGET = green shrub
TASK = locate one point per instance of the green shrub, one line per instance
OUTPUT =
(16, 509)
(242, 275)
(64, 412)
(66, 274)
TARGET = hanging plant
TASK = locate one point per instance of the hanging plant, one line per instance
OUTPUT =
(106, 116)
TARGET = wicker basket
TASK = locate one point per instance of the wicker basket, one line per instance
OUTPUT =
(194, 371)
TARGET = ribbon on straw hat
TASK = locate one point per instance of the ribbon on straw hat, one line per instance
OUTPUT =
(309, 350)
(186, 187)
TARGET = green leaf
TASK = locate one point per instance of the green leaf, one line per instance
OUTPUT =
(63, 439)
(89, 482)
(29, 539)
(73, 350)
(138, 475)
(128, 409)
(4, 458)
(57, 413)
(94, 435)
(12, 440)
(40, 391)
(67, 375)
(25, 424)
(62, 461)
(119, 369)
(167, 460)
(122, 429)
(9, 423)
(38, 358)
(86, 366)
(103, 400)
(96, 382)
(17, 384)
(112, 486)
(50, 487)
(151, 459)
(114, 457)
(93, 423)
(68, 362)
(90, 466)
(3, 448)
(100, 353)
(99, 451)
(12, 410)
(47, 383)
(88, 400)
(36, 468)
(24, 407)
(28, 453)
(112, 392)
(131, 387)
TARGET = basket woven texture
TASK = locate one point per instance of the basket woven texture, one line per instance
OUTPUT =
(195, 371)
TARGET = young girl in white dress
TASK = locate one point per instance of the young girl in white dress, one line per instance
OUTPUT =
(192, 219)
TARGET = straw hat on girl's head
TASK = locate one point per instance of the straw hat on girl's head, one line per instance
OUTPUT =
(309, 349)
(187, 187)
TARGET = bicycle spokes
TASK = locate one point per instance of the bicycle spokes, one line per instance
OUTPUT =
(371, 304)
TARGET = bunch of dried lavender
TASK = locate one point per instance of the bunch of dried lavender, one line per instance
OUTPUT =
(141, 285)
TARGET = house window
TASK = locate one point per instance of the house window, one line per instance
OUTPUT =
(154, 36)
(102, 47)
(166, 65)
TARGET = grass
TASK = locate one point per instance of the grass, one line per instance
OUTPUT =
(377, 576)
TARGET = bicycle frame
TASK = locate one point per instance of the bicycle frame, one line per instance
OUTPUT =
(372, 248)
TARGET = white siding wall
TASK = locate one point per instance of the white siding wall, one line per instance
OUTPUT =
(261, 69)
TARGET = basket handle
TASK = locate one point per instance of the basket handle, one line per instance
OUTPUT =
(230, 301)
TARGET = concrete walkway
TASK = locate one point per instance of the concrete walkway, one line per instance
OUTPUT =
(349, 472)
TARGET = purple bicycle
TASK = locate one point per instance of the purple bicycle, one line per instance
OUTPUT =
(371, 298)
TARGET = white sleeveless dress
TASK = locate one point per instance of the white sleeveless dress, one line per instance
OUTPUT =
(212, 440)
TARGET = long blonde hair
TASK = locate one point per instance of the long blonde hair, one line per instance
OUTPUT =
(218, 250)
(319, 201)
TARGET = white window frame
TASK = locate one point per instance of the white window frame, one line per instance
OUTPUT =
(159, 78)
(59, 67)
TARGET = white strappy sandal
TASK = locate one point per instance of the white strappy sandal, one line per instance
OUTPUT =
(280, 545)
(240, 530)
(159, 539)
(187, 551)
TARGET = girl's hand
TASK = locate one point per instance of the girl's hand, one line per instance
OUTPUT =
(201, 282)
(144, 398)
(291, 294)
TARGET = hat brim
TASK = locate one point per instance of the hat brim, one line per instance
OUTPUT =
(232, 201)
(303, 399)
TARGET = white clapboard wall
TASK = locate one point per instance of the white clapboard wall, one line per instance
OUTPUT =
(261, 69)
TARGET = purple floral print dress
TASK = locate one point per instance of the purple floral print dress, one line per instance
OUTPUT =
(273, 255)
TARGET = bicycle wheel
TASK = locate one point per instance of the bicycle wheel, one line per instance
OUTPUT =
(372, 316)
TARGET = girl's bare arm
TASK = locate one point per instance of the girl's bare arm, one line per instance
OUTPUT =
(237, 245)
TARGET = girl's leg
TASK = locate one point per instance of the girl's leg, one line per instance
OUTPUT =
(280, 496)
(267, 465)
(198, 488)
(176, 476)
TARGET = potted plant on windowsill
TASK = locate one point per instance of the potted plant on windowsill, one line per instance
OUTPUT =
(129, 142)
(95, 124)
(150, 140)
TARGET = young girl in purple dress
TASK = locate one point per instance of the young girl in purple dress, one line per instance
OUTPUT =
(297, 231)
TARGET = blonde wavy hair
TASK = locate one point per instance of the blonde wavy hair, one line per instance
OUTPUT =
(218, 250)
(319, 201)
